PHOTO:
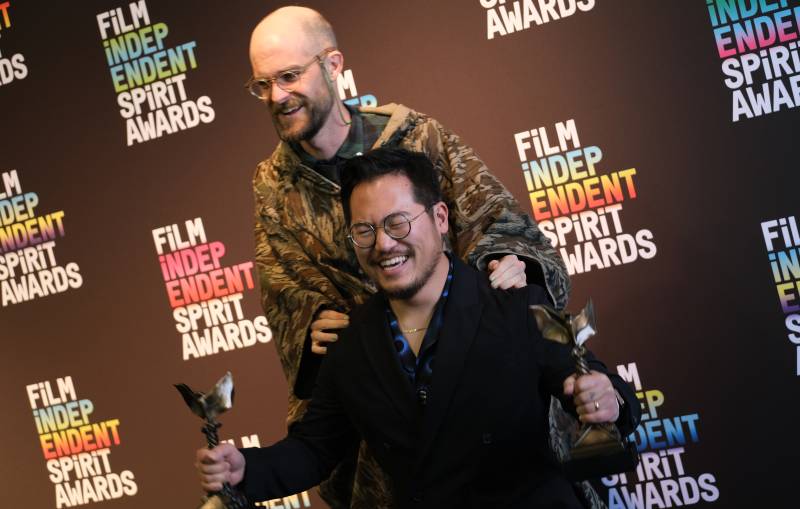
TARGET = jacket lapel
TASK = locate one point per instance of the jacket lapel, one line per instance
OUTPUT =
(376, 339)
(462, 315)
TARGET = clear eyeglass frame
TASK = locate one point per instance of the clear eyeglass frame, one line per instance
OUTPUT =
(287, 80)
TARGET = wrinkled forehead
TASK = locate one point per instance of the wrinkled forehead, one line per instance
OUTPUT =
(271, 52)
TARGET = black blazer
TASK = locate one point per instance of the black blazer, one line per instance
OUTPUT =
(481, 440)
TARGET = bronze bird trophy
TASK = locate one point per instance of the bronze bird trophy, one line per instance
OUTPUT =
(208, 407)
(596, 450)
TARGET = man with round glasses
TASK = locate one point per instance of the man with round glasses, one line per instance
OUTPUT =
(446, 378)
(397, 226)
(310, 279)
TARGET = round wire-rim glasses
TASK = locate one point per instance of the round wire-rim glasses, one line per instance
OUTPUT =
(396, 225)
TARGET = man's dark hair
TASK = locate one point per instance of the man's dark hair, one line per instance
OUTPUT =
(391, 161)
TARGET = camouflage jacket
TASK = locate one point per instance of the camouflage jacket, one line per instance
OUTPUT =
(305, 263)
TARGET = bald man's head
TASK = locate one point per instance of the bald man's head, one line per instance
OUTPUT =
(300, 28)
(289, 41)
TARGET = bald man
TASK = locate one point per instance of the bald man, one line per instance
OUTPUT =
(309, 276)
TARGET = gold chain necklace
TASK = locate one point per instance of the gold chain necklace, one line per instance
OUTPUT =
(411, 331)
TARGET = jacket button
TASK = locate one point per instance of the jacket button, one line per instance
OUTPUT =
(487, 438)
(422, 396)
(417, 498)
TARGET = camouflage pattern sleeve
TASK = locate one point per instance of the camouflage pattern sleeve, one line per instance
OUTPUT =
(303, 263)
(288, 304)
(487, 221)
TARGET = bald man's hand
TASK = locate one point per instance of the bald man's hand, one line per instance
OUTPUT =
(327, 321)
(507, 272)
(224, 463)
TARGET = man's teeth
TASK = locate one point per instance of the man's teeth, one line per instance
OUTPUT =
(290, 111)
(391, 262)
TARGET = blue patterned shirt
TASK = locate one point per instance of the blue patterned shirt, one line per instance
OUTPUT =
(419, 368)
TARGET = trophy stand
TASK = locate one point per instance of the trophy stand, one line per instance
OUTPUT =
(208, 406)
(597, 450)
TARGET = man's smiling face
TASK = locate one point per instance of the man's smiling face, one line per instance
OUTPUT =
(300, 114)
(399, 267)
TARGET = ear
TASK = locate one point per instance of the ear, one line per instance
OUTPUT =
(440, 214)
(334, 64)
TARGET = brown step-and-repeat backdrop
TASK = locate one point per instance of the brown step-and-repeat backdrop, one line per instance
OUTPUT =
(655, 143)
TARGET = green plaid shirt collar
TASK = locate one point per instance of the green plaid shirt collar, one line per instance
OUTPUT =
(365, 129)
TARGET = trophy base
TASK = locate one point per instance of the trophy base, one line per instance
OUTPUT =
(226, 499)
(212, 502)
(600, 451)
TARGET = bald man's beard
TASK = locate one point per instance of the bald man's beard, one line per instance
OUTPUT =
(316, 112)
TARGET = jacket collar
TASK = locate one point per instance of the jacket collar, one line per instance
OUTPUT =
(376, 338)
(401, 118)
(461, 318)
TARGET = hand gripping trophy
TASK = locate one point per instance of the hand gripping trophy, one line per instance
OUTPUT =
(596, 449)
(208, 406)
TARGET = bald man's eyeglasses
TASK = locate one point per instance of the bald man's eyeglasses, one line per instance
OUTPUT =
(287, 80)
